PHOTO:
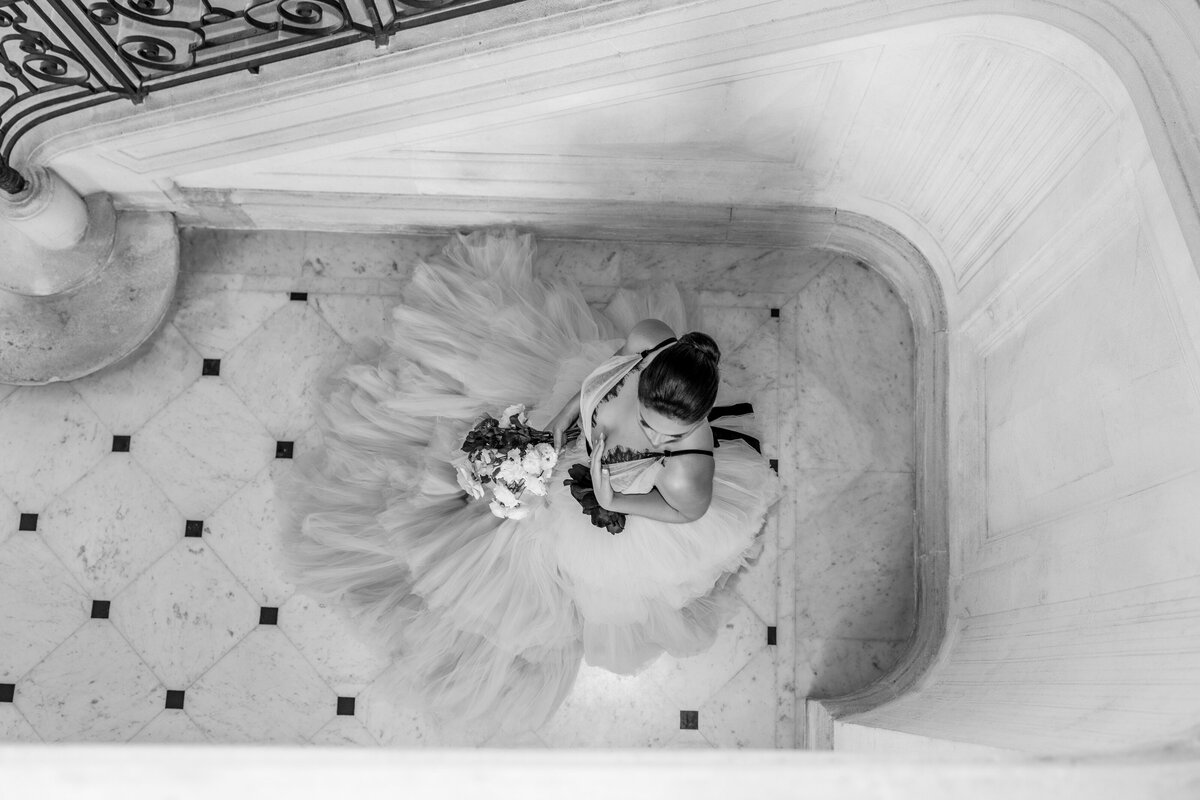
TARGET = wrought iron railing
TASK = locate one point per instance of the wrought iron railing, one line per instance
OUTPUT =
(61, 56)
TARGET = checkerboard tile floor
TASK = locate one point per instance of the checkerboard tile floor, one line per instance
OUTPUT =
(139, 595)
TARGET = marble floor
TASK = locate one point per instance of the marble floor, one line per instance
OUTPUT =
(139, 597)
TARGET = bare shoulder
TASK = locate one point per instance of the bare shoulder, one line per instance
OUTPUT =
(646, 334)
(686, 483)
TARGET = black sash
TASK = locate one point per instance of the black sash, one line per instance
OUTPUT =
(727, 435)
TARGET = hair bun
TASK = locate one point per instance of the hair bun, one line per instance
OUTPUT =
(703, 344)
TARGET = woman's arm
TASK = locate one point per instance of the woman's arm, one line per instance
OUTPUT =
(653, 505)
(682, 493)
(564, 419)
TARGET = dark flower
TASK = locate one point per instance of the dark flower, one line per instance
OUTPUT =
(487, 433)
(580, 484)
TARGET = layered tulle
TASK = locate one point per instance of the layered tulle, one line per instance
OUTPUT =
(486, 619)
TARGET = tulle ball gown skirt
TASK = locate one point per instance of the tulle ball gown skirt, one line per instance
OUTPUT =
(487, 619)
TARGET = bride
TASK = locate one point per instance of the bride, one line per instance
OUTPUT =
(649, 511)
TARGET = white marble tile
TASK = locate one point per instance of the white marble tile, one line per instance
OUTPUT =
(171, 726)
(854, 546)
(692, 680)
(184, 613)
(275, 369)
(10, 517)
(214, 321)
(110, 525)
(91, 688)
(354, 317)
(608, 710)
(723, 267)
(6, 390)
(758, 584)
(344, 730)
(50, 438)
(14, 727)
(746, 298)
(244, 532)
(854, 402)
(750, 373)
(125, 395)
(830, 667)
(391, 722)
(690, 739)
(588, 263)
(730, 326)
(742, 712)
(328, 641)
(257, 252)
(261, 691)
(317, 285)
(366, 255)
(307, 443)
(40, 603)
(789, 723)
(202, 447)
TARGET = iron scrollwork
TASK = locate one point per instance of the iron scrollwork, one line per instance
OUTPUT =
(60, 56)
(302, 17)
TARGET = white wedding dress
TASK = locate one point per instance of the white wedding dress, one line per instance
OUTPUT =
(486, 619)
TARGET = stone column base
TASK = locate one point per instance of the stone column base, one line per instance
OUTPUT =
(60, 337)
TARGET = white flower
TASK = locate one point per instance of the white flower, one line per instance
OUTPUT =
(535, 487)
(505, 496)
(518, 409)
(532, 462)
(511, 470)
(486, 456)
(549, 455)
(468, 482)
(504, 512)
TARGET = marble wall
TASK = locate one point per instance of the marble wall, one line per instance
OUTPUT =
(1077, 418)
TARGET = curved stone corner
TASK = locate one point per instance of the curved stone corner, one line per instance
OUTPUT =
(60, 337)
(898, 260)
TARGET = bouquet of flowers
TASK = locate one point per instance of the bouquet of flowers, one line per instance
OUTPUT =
(508, 458)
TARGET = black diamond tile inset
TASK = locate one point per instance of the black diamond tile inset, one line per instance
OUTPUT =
(689, 720)
(120, 444)
(345, 707)
(283, 449)
(774, 312)
(775, 465)
(299, 295)
(28, 522)
(268, 616)
(100, 609)
(174, 698)
(7, 692)
(193, 528)
(212, 366)
(770, 634)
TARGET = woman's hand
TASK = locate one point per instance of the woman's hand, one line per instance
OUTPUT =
(600, 484)
(563, 421)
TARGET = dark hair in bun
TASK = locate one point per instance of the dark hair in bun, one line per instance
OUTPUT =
(681, 381)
